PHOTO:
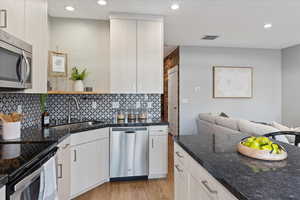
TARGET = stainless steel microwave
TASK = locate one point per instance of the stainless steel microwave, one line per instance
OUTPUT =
(15, 62)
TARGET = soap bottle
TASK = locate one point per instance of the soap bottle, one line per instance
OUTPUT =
(45, 119)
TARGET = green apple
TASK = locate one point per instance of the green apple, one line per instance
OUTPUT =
(255, 145)
(251, 139)
(266, 147)
(263, 140)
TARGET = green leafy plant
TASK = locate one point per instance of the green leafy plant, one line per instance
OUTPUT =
(77, 75)
(43, 99)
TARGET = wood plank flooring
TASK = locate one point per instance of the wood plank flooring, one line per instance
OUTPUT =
(161, 189)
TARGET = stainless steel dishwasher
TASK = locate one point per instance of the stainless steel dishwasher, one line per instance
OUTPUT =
(129, 153)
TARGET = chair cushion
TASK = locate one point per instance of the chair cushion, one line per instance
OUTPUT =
(259, 129)
(207, 117)
(281, 127)
(227, 122)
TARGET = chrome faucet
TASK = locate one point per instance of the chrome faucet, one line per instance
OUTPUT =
(69, 107)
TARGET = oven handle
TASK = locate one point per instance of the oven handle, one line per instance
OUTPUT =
(28, 180)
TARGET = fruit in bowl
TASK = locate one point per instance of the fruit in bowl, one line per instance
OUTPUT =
(262, 143)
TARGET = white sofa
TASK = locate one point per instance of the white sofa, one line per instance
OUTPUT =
(213, 123)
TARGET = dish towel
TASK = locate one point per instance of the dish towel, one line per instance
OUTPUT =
(49, 171)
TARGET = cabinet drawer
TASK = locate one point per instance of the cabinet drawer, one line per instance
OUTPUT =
(89, 136)
(209, 183)
(181, 155)
(158, 130)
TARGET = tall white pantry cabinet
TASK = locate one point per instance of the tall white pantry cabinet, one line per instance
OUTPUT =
(28, 21)
(136, 53)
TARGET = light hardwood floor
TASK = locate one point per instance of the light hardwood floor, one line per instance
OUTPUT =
(161, 189)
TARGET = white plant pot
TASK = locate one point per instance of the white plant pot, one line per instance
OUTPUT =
(11, 130)
(78, 86)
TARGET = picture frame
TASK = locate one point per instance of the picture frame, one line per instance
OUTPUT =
(58, 64)
(232, 82)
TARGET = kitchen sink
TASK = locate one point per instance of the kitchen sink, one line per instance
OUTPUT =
(78, 125)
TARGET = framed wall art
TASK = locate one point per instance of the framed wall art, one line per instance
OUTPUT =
(58, 64)
(232, 82)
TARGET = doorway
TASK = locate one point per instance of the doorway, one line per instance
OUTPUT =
(173, 113)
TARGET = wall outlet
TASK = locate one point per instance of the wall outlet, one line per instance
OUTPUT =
(115, 105)
(138, 105)
(19, 109)
(94, 105)
(149, 104)
(197, 89)
(146, 97)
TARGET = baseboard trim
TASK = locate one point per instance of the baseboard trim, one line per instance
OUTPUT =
(90, 188)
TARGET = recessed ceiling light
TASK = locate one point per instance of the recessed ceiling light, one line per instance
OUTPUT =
(268, 26)
(102, 2)
(175, 6)
(69, 8)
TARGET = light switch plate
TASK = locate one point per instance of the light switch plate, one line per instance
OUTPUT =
(94, 105)
(149, 104)
(138, 104)
(115, 105)
(19, 109)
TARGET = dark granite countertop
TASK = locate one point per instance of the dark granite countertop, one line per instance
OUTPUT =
(34, 140)
(245, 177)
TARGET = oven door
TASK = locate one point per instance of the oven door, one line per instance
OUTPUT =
(12, 67)
(30, 188)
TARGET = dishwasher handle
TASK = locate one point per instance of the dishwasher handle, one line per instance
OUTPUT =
(129, 132)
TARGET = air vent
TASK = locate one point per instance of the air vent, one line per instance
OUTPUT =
(210, 37)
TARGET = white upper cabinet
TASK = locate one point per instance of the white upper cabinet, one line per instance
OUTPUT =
(136, 54)
(123, 56)
(150, 56)
(28, 21)
(36, 33)
(12, 17)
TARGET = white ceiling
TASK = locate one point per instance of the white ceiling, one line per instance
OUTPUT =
(238, 22)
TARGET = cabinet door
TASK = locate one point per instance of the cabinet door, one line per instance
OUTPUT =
(150, 57)
(63, 169)
(180, 183)
(123, 56)
(15, 14)
(89, 166)
(158, 156)
(36, 26)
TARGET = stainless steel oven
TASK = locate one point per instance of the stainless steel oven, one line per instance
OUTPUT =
(35, 183)
(15, 62)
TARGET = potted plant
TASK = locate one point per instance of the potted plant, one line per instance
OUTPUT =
(78, 78)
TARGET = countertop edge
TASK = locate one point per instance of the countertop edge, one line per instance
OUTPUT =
(232, 190)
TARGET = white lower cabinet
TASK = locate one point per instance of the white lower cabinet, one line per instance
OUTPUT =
(89, 160)
(158, 151)
(192, 181)
(63, 169)
(2, 193)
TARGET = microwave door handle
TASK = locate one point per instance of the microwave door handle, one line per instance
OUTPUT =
(26, 66)
(19, 68)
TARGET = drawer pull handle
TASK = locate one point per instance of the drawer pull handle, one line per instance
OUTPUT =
(60, 171)
(205, 183)
(178, 154)
(3, 12)
(64, 147)
(178, 168)
(75, 155)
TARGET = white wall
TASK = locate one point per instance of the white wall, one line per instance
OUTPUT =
(290, 86)
(196, 71)
(87, 44)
